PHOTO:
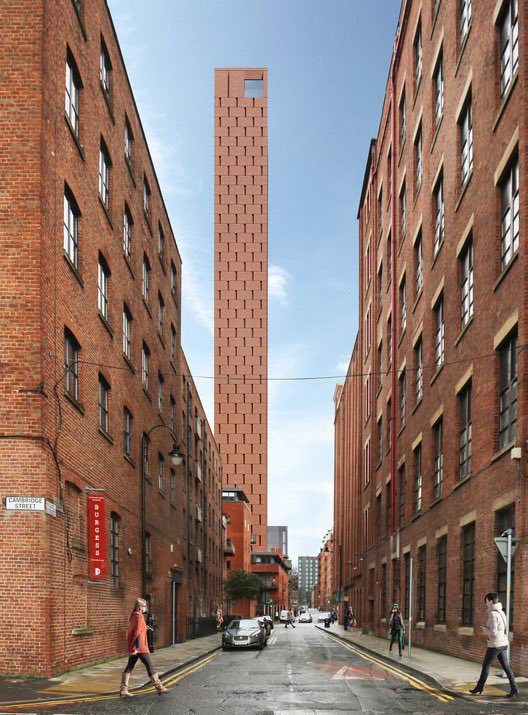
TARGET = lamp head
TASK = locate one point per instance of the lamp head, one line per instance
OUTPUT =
(175, 455)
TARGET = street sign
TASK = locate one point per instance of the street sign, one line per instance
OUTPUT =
(51, 508)
(96, 537)
(502, 545)
(25, 503)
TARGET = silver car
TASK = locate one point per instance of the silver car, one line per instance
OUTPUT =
(244, 633)
(305, 617)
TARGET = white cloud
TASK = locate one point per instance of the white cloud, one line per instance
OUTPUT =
(342, 367)
(277, 280)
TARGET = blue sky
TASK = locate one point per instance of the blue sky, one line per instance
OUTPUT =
(328, 62)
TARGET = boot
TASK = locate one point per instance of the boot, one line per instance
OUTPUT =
(124, 692)
(160, 688)
(477, 690)
(513, 692)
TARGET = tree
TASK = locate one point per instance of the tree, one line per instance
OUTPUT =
(293, 587)
(242, 584)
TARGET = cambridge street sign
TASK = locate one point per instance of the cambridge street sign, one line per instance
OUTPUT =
(502, 545)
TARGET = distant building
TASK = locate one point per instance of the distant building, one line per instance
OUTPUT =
(274, 571)
(238, 519)
(278, 538)
(308, 571)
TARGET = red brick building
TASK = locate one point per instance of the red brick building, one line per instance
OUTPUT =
(237, 546)
(274, 570)
(327, 584)
(90, 356)
(241, 285)
(443, 286)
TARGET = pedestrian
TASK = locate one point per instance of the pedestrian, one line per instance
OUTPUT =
(219, 618)
(276, 615)
(351, 616)
(137, 648)
(292, 619)
(497, 645)
(396, 628)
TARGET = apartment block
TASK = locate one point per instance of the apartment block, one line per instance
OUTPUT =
(241, 285)
(440, 350)
(308, 575)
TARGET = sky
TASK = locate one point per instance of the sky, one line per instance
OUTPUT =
(328, 63)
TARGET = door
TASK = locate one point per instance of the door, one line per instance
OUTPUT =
(174, 612)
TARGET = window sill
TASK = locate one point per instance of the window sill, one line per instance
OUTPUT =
(146, 306)
(464, 331)
(462, 48)
(440, 628)
(506, 270)
(435, 502)
(463, 191)
(82, 631)
(466, 631)
(378, 465)
(147, 219)
(129, 167)
(78, 406)
(160, 336)
(416, 516)
(75, 137)
(417, 194)
(437, 131)
(505, 450)
(417, 90)
(107, 102)
(505, 101)
(129, 363)
(417, 405)
(402, 336)
(417, 300)
(129, 266)
(435, 18)
(160, 259)
(402, 242)
(72, 268)
(107, 213)
(83, 29)
(106, 435)
(106, 324)
(173, 366)
(420, 625)
(437, 373)
(401, 151)
(462, 481)
(130, 460)
(161, 493)
(147, 394)
(379, 390)
(402, 428)
(435, 258)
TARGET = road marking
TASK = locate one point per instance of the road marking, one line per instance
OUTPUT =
(415, 682)
(347, 673)
(192, 668)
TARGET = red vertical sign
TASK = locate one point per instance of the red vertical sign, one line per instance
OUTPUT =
(97, 537)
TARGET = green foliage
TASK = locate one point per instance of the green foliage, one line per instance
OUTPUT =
(242, 584)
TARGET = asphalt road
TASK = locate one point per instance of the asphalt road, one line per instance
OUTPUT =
(301, 671)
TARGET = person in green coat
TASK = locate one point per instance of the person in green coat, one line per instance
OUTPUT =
(396, 628)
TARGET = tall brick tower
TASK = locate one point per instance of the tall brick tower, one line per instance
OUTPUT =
(241, 285)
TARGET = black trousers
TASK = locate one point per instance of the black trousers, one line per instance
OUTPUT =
(490, 656)
(144, 658)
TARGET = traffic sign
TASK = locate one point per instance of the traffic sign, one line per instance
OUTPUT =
(502, 545)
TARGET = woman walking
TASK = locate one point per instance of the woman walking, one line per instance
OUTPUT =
(497, 645)
(396, 628)
(137, 648)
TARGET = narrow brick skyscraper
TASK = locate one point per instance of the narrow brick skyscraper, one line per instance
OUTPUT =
(241, 285)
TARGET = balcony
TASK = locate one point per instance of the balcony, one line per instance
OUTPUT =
(229, 548)
(198, 555)
(198, 513)
(197, 428)
(197, 472)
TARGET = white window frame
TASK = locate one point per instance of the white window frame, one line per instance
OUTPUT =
(71, 229)
(145, 356)
(510, 216)
(127, 233)
(127, 332)
(72, 94)
(104, 177)
(466, 276)
(465, 20)
(127, 431)
(439, 333)
(509, 44)
(103, 278)
(439, 90)
(439, 216)
(145, 277)
(104, 392)
(419, 369)
(466, 143)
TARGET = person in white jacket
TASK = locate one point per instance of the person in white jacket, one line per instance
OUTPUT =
(497, 645)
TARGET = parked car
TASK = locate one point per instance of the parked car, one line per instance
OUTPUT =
(245, 633)
(305, 617)
(322, 617)
(268, 622)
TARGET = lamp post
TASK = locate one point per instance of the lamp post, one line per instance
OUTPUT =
(176, 458)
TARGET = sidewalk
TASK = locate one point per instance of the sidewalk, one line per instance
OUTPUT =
(105, 678)
(453, 675)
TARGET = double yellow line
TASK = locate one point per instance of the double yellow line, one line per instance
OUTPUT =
(179, 675)
(415, 682)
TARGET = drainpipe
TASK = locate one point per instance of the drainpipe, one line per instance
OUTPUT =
(395, 60)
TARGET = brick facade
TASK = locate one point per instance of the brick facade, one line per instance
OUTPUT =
(241, 286)
(441, 307)
(60, 439)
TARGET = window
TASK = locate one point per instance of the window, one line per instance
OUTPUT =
(103, 277)
(464, 458)
(104, 391)
(127, 332)
(368, 397)
(72, 94)
(368, 330)
(367, 462)
(114, 548)
(253, 88)
(441, 551)
(418, 56)
(438, 199)
(401, 474)
(508, 391)
(172, 342)
(105, 70)
(146, 197)
(127, 233)
(403, 397)
(395, 580)
(380, 439)
(403, 213)
(383, 591)
(160, 392)
(161, 241)
(71, 364)
(389, 344)
(129, 139)
(509, 44)
(421, 583)
(172, 413)
(145, 275)
(418, 257)
(505, 519)
(389, 172)
(466, 277)
(403, 120)
(387, 508)
(71, 228)
(418, 167)
(160, 472)
(439, 333)
(466, 143)
(145, 355)
(418, 358)
(173, 280)
(161, 308)
(380, 213)
(380, 287)
(438, 475)
(389, 257)
(127, 431)
(510, 213)
(171, 485)
(418, 479)
(465, 20)
(104, 175)
(378, 514)
(380, 365)
(403, 306)
(145, 450)
(407, 577)
(438, 80)
(468, 573)
(148, 555)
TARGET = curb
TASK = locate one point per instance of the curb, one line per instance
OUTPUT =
(80, 696)
(437, 683)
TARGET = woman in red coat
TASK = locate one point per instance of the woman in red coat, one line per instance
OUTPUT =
(137, 648)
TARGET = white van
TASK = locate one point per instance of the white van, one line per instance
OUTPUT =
(283, 616)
